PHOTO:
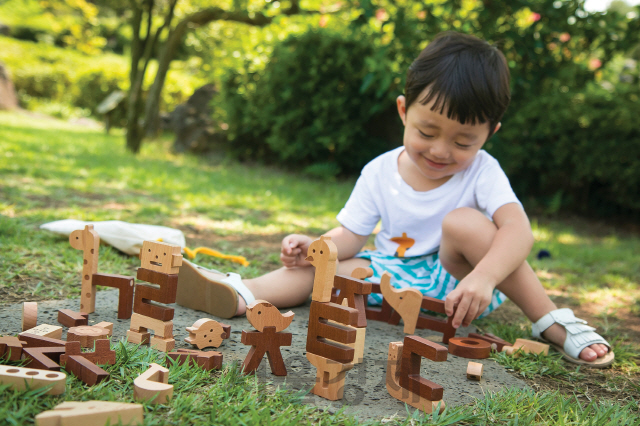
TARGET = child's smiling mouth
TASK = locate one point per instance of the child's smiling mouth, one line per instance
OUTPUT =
(435, 165)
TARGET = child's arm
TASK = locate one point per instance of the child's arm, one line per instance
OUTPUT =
(295, 246)
(509, 249)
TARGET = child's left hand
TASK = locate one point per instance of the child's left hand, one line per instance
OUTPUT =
(472, 296)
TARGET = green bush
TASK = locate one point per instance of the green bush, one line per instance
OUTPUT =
(310, 106)
(579, 150)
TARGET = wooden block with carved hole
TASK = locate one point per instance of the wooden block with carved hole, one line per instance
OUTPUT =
(468, 347)
(69, 318)
(330, 376)
(21, 378)
(91, 413)
(11, 348)
(474, 371)
(206, 333)
(46, 330)
(29, 315)
(88, 241)
(323, 254)
(152, 385)
(211, 360)
(496, 342)
(125, 286)
(394, 377)
(86, 335)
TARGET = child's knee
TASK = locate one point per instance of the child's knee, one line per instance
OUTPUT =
(465, 221)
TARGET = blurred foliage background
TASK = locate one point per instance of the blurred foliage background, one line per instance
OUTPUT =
(311, 85)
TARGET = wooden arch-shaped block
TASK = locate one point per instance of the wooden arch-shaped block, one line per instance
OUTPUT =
(152, 385)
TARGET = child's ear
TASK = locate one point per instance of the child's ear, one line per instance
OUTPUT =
(402, 110)
(497, 128)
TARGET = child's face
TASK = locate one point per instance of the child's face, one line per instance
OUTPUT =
(438, 146)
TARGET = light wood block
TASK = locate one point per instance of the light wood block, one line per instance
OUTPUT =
(86, 335)
(530, 346)
(162, 329)
(88, 241)
(474, 371)
(91, 413)
(263, 314)
(405, 302)
(160, 257)
(163, 345)
(19, 378)
(206, 333)
(323, 254)
(29, 315)
(152, 385)
(106, 325)
(46, 330)
(358, 345)
(330, 376)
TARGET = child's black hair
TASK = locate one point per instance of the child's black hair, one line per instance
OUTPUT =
(465, 75)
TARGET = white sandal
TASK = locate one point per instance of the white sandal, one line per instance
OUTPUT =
(579, 336)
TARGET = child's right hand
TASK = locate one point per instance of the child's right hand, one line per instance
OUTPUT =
(294, 250)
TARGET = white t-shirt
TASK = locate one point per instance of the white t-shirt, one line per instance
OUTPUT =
(381, 194)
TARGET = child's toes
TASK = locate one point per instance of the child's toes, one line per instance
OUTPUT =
(588, 354)
(600, 349)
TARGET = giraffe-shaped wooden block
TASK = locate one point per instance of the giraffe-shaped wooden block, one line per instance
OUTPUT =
(88, 241)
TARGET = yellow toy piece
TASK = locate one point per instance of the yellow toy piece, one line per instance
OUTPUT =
(191, 254)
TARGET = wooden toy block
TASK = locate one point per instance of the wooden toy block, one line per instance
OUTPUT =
(496, 342)
(106, 325)
(91, 413)
(531, 346)
(46, 330)
(34, 341)
(382, 313)
(68, 318)
(400, 393)
(323, 254)
(509, 350)
(88, 241)
(206, 333)
(11, 348)
(86, 335)
(358, 345)
(474, 371)
(263, 314)
(467, 347)
(353, 291)
(267, 341)
(141, 323)
(330, 377)
(362, 273)
(206, 360)
(21, 378)
(165, 293)
(29, 315)
(163, 345)
(414, 349)
(86, 371)
(429, 322)
(47, 358)
(138, 338)
(102, 353)
(406, 302)
(124, 284)
(160, 257)
(320, 330)
(152, 385)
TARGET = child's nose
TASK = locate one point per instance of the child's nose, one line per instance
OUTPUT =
(439, 150)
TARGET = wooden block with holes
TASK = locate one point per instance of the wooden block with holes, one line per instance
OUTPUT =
(320, 331)
(91, 413)
(396, 375)
(19, 378)
(125, 286)
(211, 360)
(29, 315)
(206, 333)
(165, 292)
(267, 341)
(406, 302)
(467, 347)
(496, 342)
(87, 335)
(330, 376)
(474, 371)
(323, 254)
(69, 318)
(46, 330)
(11, 348)
(88, 241)
(152, 385)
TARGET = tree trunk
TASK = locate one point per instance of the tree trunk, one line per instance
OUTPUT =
(134, 138)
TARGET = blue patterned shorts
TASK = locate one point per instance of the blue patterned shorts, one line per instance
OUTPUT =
(422, 272)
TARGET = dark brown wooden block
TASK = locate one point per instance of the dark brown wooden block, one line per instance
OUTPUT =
(493, 340)
(354, 291)
(164, 293)
(211, 360)
(69, 318)
(35, 341)
(11, 348)
(414, 349)
(47, 358)
(429, 322)
(102, 353)
(320, 330)
(85, 370)
(468, 347)
(382, 313)
(269, 342)
(125, 294)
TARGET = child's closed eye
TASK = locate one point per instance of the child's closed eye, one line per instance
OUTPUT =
(424, 135)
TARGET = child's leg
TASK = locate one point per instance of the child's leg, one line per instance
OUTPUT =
(466, 237)
(286, 287)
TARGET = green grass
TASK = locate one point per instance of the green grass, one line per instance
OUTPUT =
(50, 170)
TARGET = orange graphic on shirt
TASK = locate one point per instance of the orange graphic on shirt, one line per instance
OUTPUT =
(404, 242)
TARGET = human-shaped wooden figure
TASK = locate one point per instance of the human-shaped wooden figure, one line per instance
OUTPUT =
(268, 337)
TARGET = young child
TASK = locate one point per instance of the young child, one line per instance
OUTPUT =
(451, 224)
